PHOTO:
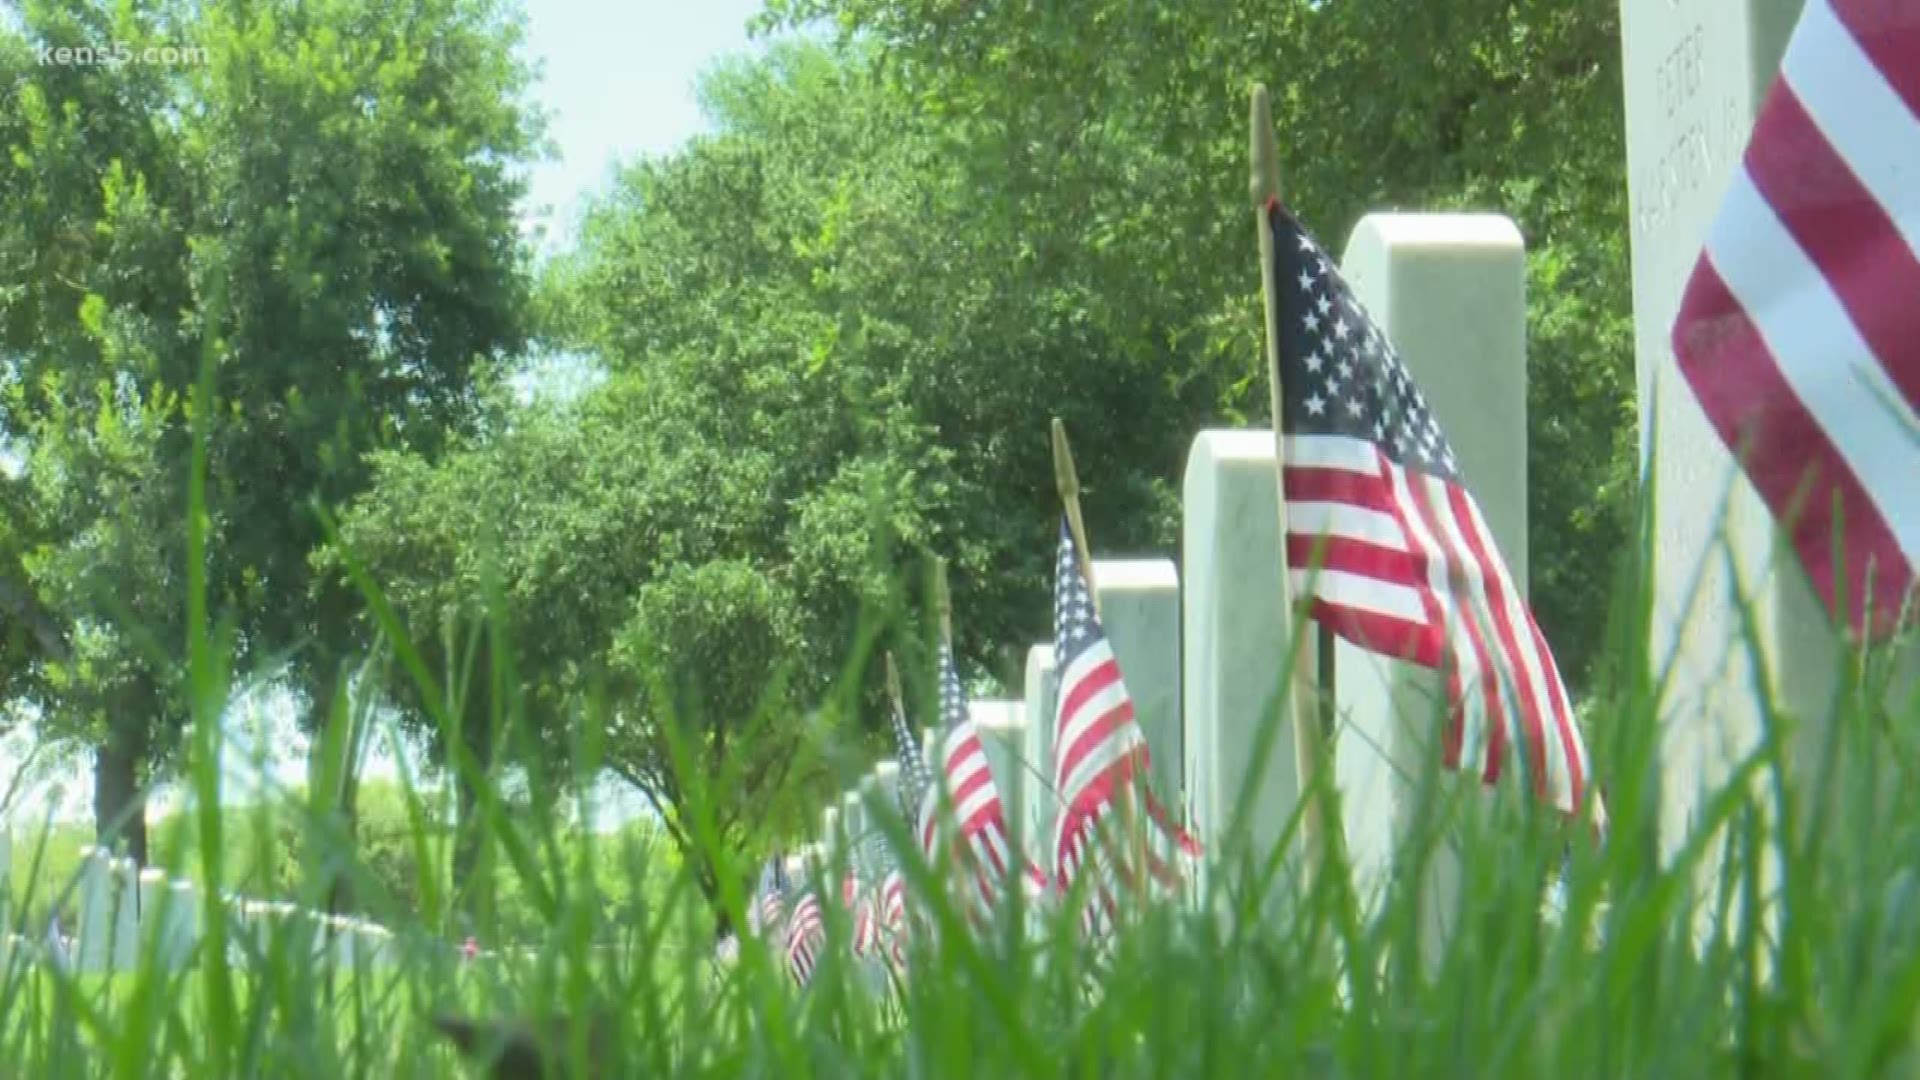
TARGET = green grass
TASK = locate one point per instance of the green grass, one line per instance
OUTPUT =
(1827, 984)
(1703, 964)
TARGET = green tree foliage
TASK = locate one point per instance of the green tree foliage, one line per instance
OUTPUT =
(1113, 135)
(338, 174)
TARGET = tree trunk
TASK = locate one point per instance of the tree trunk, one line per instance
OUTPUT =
(470, 869)
(119, 811)
(323, 693)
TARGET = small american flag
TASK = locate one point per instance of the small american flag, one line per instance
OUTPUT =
(806, 933)
(1408, 567)
(769, 902)
(916, 780)
(984, 848)
(893, 914)
(873, 863)
(1799, 331)
(1101, 767)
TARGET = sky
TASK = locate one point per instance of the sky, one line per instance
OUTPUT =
(617, 80)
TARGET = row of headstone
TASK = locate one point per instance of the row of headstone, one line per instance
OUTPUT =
(125, 911)
(1202, 646)
(1203, 657)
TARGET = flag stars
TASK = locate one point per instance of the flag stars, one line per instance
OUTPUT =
(1306, 282)
(1312, 322)
(1316, 405)
(1315, 361)
(1355, 408)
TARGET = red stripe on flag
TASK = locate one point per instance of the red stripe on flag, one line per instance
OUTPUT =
(1562, 717)
(1305, 484)
(1495, 595)
(1311, 552)
(971, 780)
(1468, 626)
(1414, 642)
(1787, 455)
(1843, 230)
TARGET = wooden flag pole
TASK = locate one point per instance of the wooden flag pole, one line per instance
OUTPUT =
(893, 686)
(943, 603)
(1309, 736)
(1068, 482)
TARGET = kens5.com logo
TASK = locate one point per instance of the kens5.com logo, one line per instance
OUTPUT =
(120, 53)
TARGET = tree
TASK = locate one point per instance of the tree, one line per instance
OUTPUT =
(370, 271)
(1129, 158)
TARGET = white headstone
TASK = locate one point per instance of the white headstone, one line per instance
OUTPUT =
(882, 787)
(853, 821)
(1695, 72)
(183, 913)
(830, 834)
(377, 945)
(1694, 76)
(153, 912)
(1235, 639)
(126, 914)
(1449, 290)
(1140, 610)
(1042, 690)
(96, 911)
(1002, 727)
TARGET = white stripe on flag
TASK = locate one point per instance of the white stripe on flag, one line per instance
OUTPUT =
(1331, 452)
(1820, 354)
(1369, 594)
(1308, 517)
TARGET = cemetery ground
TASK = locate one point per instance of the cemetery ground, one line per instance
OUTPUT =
(1760, 950)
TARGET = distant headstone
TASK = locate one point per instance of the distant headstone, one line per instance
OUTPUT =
(1235, 642)
(1449, 291)
(377, 945)
(1140, 610)
(1002, 726)
(1042, 691)
(125, 875)
(153, 912)
(97, 918)
(183, 911)
(882, 788)
(854, 823)
(830, 835)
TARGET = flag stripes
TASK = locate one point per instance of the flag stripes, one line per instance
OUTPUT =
(1798, 331)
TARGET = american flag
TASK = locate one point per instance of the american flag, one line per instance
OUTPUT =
(873, 861)
(806, 933)
(1799, 331)
(1101, 768)
(984, 848)
(916, 780)
(769, 902)
(893, 914)
(1386, 540)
